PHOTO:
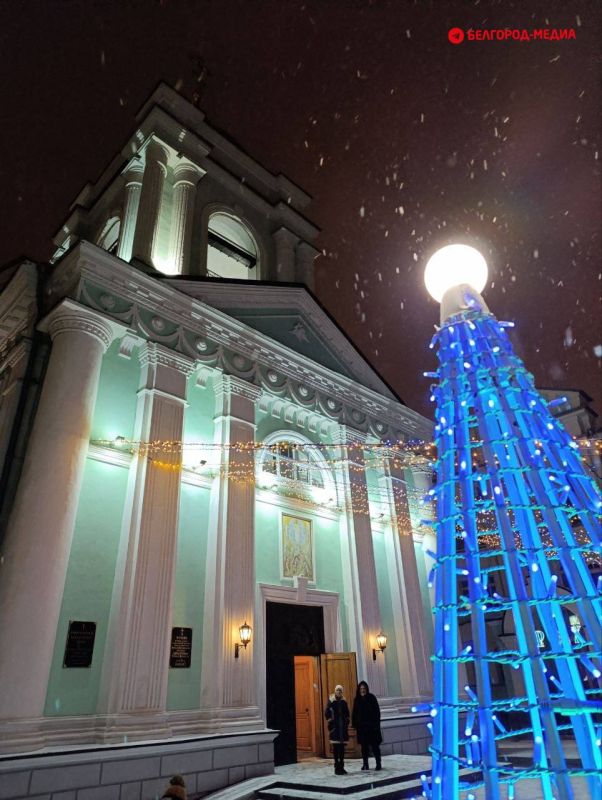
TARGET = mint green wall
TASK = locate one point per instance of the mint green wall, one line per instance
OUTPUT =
(328, 570)
(198, 417)
(386, 614)
(88, 586)
(184, 685)
(267, 547)
(115, 409)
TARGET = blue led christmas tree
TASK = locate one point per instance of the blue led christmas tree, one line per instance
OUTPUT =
(517, 522)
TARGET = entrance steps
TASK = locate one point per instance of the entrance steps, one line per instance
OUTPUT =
(315, 780)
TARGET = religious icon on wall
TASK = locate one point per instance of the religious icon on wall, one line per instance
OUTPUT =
(297, 548)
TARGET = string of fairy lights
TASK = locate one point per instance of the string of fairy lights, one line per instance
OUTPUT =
(255, 463)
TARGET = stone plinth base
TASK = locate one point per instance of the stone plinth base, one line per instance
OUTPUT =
(406, 734)
(138, 771)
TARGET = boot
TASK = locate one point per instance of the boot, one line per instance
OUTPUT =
(365, 765)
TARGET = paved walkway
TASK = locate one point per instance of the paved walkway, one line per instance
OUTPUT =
(318, 774)
(531, 790)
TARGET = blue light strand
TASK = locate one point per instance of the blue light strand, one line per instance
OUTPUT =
(502, 455)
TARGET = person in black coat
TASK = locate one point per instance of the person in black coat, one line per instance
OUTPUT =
(366, 721)
(337, 714)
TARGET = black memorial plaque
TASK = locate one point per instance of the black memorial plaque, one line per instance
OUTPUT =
(181, 648)
(80, 644)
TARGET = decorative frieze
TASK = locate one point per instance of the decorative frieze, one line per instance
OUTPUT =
(218, 341)
(234, 353)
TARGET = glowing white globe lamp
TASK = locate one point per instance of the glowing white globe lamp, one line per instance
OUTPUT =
(455, 265)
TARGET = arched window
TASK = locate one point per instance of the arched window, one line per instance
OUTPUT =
(290, 460)
(108, 237)
(231, 248)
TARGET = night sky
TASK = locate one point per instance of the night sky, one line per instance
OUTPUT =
(405, 141)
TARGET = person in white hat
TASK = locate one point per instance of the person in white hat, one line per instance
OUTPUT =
(337, 714)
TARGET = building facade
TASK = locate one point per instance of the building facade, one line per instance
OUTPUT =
(193, 454)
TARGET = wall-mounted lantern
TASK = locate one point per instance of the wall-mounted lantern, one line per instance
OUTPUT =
(245, 637)
(381, 644)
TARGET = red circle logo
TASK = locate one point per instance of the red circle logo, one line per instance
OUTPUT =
(455, 35)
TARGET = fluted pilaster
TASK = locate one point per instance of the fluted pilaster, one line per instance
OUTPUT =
(137, 657)
(304, 264)
(413, 650)
(358, 559)
(285, 254)
(228, 684)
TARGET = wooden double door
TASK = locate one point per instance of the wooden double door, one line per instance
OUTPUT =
(315, 679)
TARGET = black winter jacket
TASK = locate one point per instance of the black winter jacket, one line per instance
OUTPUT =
(337, 714)
(366, 719)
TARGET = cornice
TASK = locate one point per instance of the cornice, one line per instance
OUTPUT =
(227, 295)
(18, 303)
(156, 311)
(183, 113)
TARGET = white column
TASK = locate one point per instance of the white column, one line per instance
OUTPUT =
(426, 538)
(304, 266)
(412, 646)
(228, 685)
(131, 202)
(186, 177)
(363, 609)
(285, 254)
(147, 222)
(36, 549)
(135, 669)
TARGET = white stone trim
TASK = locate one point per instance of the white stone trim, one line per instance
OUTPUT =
(298, 595)
(110, 455)
(145, 292)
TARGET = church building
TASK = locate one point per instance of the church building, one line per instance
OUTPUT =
(210, 501)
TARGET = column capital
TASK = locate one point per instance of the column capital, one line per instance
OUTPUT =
(285, 238)
(154, 354)
(70, 317)
(133, 172)
(237, 387)
(157, 151)
(187, 174)
(235, 399)
(348, 437)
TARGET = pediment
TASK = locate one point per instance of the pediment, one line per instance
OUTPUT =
(291, 316)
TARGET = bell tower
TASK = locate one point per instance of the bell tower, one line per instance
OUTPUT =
(182, 200)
